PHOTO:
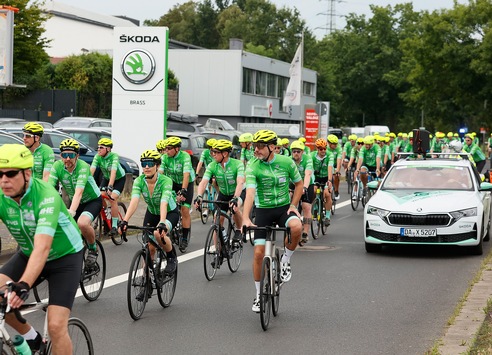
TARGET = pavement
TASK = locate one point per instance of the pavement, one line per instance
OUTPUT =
(457, 339)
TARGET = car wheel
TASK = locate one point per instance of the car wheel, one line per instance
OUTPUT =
(486, 238)
(373, 248)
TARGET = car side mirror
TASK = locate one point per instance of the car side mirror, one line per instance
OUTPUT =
(485, 186)
(373, 185)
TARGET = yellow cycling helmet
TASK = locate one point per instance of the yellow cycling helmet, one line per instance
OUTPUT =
(392, 135)
(223, 145)
(265, 136)
(161, 144)
(352, 137)
(69, 144)
(368, 140)
(450, 134)
(279, 142)
(302, 140)
(332, 139)
(360, 140)
(211, 142)
(15, 156)
(173, 142)
(245, 138)
(285, 141)
(33, 128)
(404, 135)
(440, 135)
(151, 155)
(410, 135)
(105, 142)
(297, 145)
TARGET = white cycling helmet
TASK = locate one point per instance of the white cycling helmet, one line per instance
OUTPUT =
(456, 146)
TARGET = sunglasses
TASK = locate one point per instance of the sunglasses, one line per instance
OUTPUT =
(214, 152)
(321, 148)
(147, 164)
(26, 135)
(360, 143)
(170, 148)
(68, 155)
(10, 174)
(259, 145)
(101, 147)
(297, 151)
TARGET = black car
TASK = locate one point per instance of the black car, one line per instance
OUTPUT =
(88, 136)
(53, 138)
(191, 143)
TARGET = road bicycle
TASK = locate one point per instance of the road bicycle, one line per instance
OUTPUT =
(219, 244)
(77, 330)
(318, 212)
(176, 234)
(207, 209)
(146, 275)
(356, 195)
(103, 222)
(270, 283)
(91, 279)
(349, 177)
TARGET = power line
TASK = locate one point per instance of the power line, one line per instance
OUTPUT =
(331, 15)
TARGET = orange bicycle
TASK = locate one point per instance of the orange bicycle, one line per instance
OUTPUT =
(102, 223)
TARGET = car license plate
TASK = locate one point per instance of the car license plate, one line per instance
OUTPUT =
(418, 232)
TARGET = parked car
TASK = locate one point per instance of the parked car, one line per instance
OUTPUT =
(432, 201)
(7, 138)
(193, 144)
(221, 126)
(76, 121)
(20, 123)
(178, 121)
(53, 138)
(236, 148)
(88, 136)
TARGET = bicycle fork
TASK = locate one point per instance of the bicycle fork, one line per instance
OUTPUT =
(269, 246)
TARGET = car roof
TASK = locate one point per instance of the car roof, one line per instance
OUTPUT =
(106, 130)
(48, 131)
(21, 123)
(442, 160)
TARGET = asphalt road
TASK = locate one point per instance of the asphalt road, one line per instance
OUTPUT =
(340, 300)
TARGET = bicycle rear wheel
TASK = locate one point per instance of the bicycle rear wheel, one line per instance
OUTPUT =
(235, 255)
(92, 279)
(354, 197)
(211, 253)
(265, 296)
(315, 224)
(166, 283)
(276, 280)
(138, 284)
(80, 336)
(116, 238)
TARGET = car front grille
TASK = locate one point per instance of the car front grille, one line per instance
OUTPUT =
(408, 220)
(444, 239)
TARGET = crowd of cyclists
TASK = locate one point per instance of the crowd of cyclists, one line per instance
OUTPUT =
(274, 175)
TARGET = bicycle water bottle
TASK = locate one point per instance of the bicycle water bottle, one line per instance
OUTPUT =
(21, 345)
(224, 234)
(108, 212)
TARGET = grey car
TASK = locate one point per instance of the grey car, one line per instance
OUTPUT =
(88, 136)
(76, 121)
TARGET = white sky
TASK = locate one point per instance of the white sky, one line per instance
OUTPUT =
(312, 11)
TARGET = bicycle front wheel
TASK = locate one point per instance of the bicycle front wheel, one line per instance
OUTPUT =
(211, 253)
(315, 223)
(80, 336)
(137, 287)
(276, 283)
(354, 197)
(235, 255)
(92, 279)
(265, 295)
(166, 284)
(97, 224)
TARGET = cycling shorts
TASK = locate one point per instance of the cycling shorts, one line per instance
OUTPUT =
(271, 216)
(189, 193)
(224, 207)
(118, 185)
(309, 197)
(153, 220)
(90, 208)
(371, 169)
(321, 180)
(63, 276)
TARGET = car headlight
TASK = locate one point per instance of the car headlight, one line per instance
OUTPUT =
(469, 212)
(377, 211)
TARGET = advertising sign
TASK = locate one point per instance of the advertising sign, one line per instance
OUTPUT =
(6, 44)
(139, 89)
(312, 127)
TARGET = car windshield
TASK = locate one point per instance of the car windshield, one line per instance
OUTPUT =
(428, 178)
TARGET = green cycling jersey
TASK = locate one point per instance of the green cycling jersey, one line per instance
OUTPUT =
(43, 160)
(110, 162)
(306, 164)
(206, 158)
(337, 154)
(475, 151)
(247, 154)
(41, 211)
(175, 167)
(271, 180)
(226, 176)
(163, 192)
(320, 164)
(369, 156)
(80, 177)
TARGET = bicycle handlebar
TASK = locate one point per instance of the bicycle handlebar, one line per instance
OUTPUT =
(269, 230)
(217, 203)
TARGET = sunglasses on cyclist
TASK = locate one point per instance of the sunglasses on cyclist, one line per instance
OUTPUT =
(321, 148)
(10, 174)
(360, 143)
(101, 147)
(27, 135)
(259, 145)
(66, 155)
(297, 151)
(214, 152)
(147, 164)
(170, 147)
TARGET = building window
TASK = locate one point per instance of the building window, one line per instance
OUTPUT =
(281, 88)
(271, 85)
(307, 88)
(248, 81)
(261, 83)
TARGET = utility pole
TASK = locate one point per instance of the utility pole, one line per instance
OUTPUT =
(331, 15)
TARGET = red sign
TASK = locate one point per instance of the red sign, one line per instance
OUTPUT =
(312, 127)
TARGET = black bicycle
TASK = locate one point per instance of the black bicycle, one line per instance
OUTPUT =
(318, 212)
(219, 244)
(176, 234)
(270, 283)
(146, 275)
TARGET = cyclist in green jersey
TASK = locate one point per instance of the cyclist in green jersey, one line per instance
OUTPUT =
(347, 150)
(247, 152)
(323, 162)
(475, 151)
(370, 156)
(354, 154)
(85, 197)
(205, 157)
(336, 150)
(50, 246)
(42, 153)
(267, 185)
(177, 165)
(113, 176)
(438, 143)
(285, 147)
(304, 164)
(162, 210)
(229, 174)
(307, 150)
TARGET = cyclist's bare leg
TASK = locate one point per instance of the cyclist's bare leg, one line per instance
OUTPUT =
(295, 226)
(84, 223)
(306, 212)
(327, 197)
(336, 182)
(259, 253)
(168, 246)
(185, 214)
(58, 329)
(114, 206)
